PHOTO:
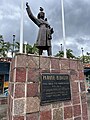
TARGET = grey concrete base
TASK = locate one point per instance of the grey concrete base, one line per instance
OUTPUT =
(3, 112)
(88, 101)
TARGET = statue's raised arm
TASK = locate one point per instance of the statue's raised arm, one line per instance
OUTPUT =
(31, 16)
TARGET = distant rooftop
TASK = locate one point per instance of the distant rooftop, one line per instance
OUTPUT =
(86, 65)
(7, 59)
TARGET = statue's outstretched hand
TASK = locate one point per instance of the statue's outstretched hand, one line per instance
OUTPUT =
(27, 4)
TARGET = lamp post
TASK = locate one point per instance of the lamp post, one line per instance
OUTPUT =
(13, 41)
(25, 43)
(61, 47)
(82, 54)
(13, 45)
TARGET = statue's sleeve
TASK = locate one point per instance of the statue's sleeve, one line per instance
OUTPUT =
(32, 17)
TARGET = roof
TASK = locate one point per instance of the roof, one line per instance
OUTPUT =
(87, 65)
(5, 59)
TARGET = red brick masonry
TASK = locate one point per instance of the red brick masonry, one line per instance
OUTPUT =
(24, 89)
(3, 100)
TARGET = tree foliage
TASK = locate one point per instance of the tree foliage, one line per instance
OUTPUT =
(69, 53)
(6, 47)
(84, 58)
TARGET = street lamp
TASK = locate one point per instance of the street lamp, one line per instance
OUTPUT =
(25, 43)
(13, 45)
(82, 55)
(13, 41)
(61, 47)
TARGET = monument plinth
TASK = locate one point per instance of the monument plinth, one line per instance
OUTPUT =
(29, 77)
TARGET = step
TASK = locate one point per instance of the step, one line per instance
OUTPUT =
(3, 101)
(3, 112)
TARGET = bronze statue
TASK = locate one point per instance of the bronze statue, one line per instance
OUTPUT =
(45, 31)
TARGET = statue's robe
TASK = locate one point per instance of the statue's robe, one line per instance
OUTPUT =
(43, 42)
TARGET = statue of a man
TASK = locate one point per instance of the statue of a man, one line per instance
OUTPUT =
(45, 31)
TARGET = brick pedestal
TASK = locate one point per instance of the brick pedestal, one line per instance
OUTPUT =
(24, 89)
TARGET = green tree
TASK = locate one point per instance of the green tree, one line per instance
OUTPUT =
(1, 37)
(31, 49)
(2, 47)
(6, 47)
(69, 53)
(84, 58)
(35, 49)
(60, 54)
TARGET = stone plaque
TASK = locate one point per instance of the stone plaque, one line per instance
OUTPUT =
(55, 87)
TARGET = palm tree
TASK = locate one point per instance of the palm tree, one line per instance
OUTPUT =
(31, 49)
(3, 49)
(60, 54)
(68, 52)
(6, 47)
(35, 50)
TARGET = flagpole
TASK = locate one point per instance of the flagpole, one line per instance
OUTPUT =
(63, 28)
(21, 28)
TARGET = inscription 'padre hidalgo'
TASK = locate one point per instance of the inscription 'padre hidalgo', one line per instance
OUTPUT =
(55, 77)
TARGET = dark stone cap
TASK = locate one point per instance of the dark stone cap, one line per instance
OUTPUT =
(41, 9)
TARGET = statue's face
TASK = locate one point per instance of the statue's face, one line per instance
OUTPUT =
(41, 15)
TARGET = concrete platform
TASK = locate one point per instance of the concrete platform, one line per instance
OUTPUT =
(3, 112)
(88, 101)
(3, 107)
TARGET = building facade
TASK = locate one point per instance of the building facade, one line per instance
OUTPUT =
(4, 73)
(87, 75)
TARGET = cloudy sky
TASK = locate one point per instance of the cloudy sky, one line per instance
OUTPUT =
(77, 22)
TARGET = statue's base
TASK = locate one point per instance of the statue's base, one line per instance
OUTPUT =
(24, 89)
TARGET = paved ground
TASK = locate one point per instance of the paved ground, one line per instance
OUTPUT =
(3, 112)
(3, 109)
(88, 101)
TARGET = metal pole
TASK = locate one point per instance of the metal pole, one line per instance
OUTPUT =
(82, 55)
(61, 47)
(25, 43)
(21, 28)
(13, 41)
(63, 28)
(13, 46)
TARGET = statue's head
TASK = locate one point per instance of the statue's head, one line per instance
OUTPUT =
(41, 14)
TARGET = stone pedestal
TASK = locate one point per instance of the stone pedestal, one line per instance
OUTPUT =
(24, 89)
